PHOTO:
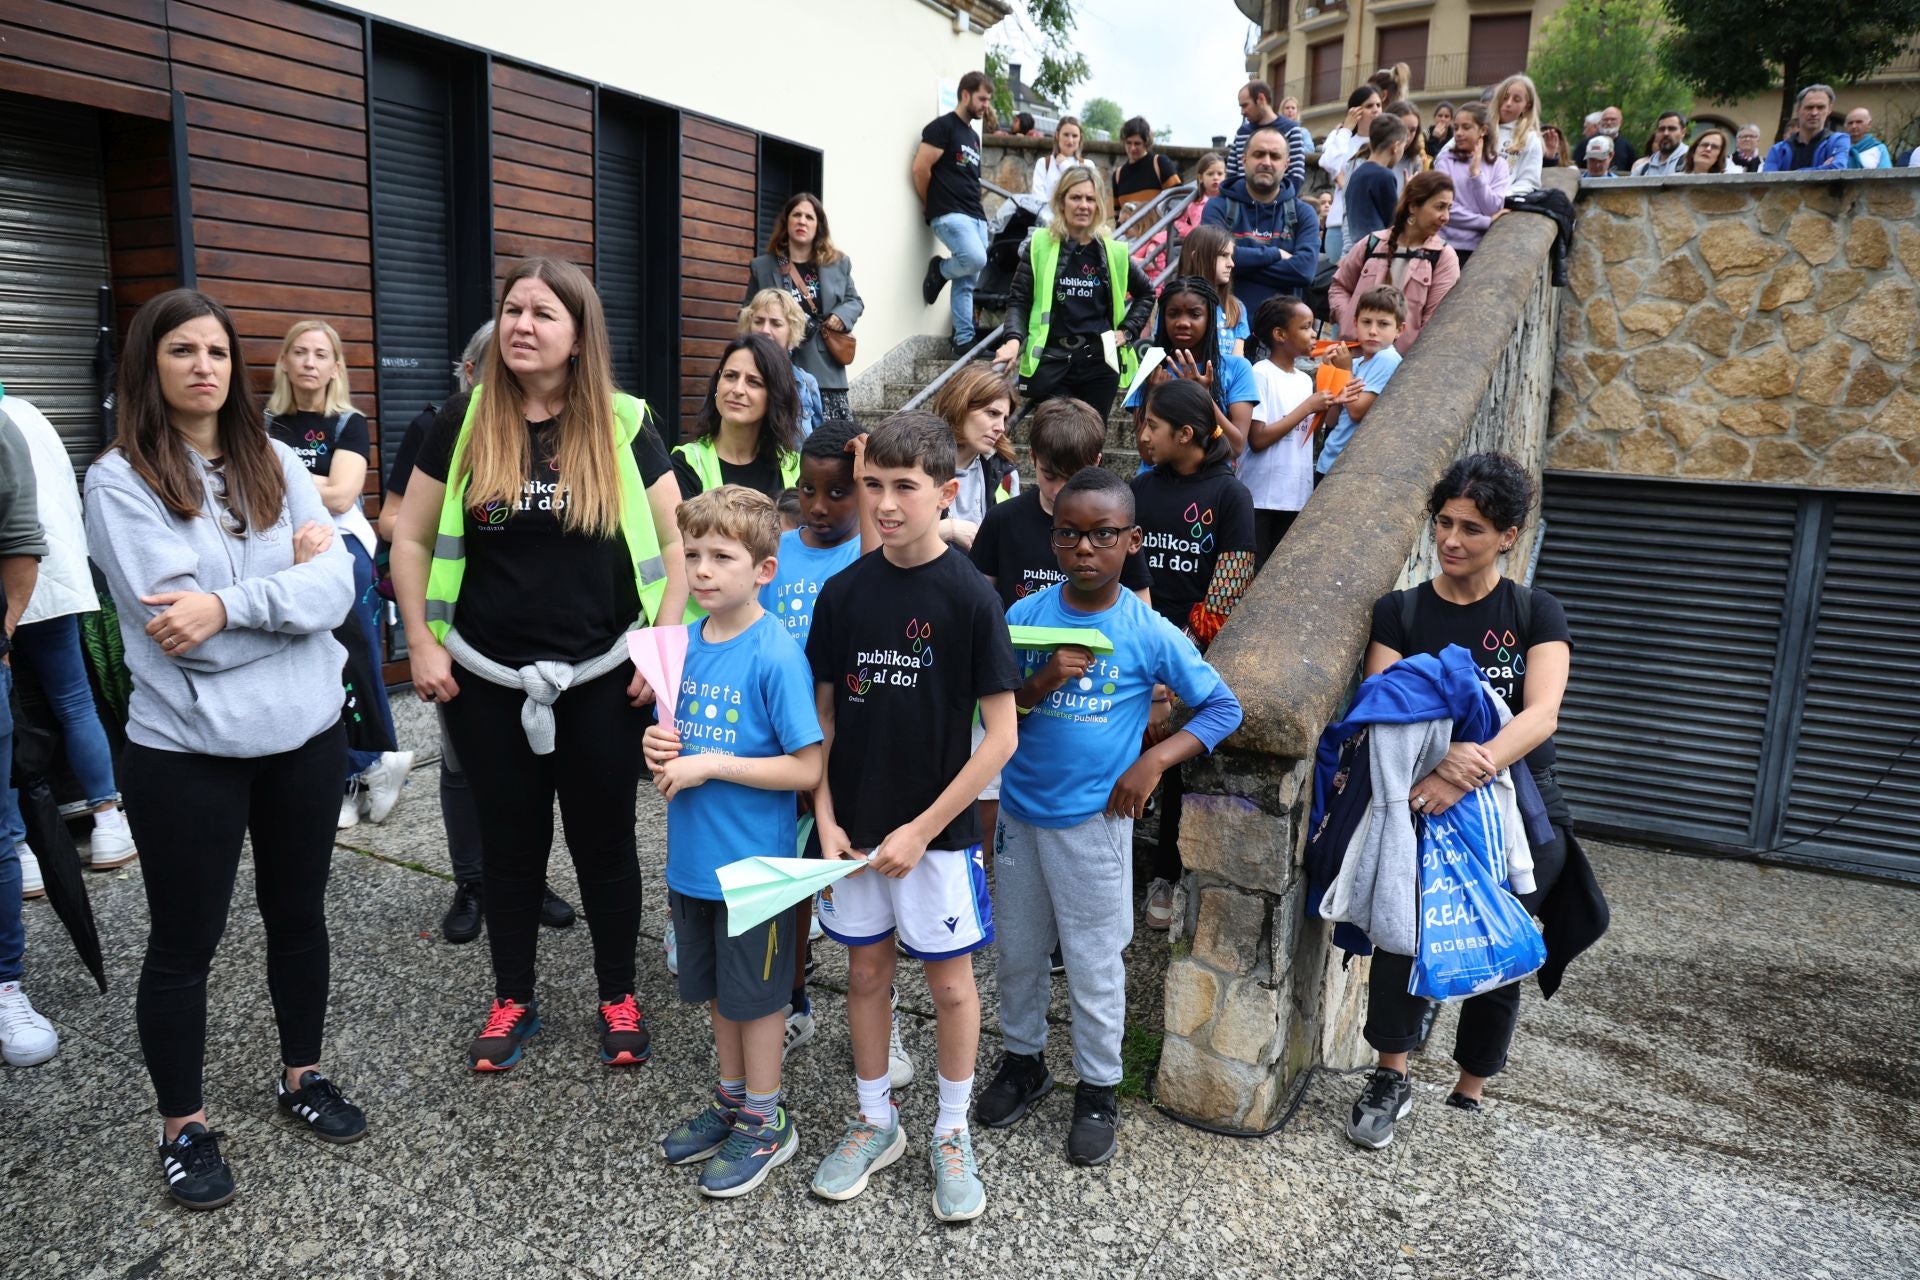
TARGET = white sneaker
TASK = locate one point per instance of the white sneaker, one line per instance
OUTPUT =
(1159, 912)
(671, 945)
(899, 1065)
(31, 884)
(349, 809)
(111, 848)
(800, 1029)
(26, 1038)
(383, 781)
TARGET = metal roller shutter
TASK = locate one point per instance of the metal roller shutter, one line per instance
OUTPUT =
(413, 234)
(1862, 697)
(1676, 599)
(616, 190)
(53, 262)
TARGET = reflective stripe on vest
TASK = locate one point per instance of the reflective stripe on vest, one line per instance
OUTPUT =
(1043, 251)
(703, 455)
(636, 521)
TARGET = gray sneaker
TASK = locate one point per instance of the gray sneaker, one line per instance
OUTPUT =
(864, 1149)
(957, 1193)
(1387, 1098)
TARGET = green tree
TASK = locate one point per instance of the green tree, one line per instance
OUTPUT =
(1599, 53)
(1049, 27)
(996, 69)
(1104, 114)
(1730, 49)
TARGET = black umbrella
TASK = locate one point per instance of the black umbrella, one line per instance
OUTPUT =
(33, 764)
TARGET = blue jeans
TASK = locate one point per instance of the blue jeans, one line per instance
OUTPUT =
(51, 650)
(13, 933)
(1333, 242)
(966, 241)
(367, 608)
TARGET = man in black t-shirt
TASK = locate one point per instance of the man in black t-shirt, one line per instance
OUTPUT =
(946, 173)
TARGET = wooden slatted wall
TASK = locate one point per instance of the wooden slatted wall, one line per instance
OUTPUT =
(277, 164)
(140, 225)
(717, 213)
(542, 168)
(114, 56)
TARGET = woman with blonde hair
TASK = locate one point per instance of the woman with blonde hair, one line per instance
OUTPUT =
(1517, 105)
(1075, 290)
(802, 259)
(775, 314)
(538, 530)
(1047, 171)
(310, 410)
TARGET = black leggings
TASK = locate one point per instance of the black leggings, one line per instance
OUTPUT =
(189, 815)
(1487, 1020)
(595, 770)
(1081, 373)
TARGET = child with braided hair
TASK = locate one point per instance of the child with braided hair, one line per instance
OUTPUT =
(1189, 332)
(1197, 521)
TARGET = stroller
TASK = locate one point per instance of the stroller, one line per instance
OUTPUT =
(1012, 223)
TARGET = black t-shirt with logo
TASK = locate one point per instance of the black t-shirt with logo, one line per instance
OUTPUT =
(762, 475)
(311, 435)
(533, 590)
(1489, 629)
(1082, 295)
(954, 186)
(908, 652)
(1189, 522)
(1014, 547)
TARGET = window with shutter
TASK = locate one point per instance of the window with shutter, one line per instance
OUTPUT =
(1406, 44)
(1323, 76)
(1497, 46)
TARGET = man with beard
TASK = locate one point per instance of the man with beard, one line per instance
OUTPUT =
(1276, 235)
(946, 173)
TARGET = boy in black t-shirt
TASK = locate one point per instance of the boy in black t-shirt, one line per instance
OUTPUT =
(905, 642)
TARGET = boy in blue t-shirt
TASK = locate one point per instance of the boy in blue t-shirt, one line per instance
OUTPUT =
(744, 739)
(1378, 315)
(1063, 854)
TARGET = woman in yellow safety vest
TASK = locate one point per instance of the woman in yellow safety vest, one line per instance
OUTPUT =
(1066, 298)
(538, 530)
(748, 431)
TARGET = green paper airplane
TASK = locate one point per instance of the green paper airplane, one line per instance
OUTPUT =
(1055, 637)
(757, 889)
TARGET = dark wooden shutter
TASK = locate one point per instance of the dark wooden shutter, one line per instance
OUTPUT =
(53, 260)
(1861, 711)
(1676, 597)
(1497, 47)
(1406, 44)
(1323, 71)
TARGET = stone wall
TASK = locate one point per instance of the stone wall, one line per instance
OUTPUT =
(1756, 328)
(1255, 994)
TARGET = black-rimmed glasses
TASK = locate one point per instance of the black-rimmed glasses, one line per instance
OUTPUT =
(1104, 537)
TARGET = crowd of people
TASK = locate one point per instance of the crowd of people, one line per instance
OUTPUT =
(542, 514)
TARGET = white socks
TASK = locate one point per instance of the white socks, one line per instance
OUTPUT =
(109, 820)
(876, 1100)
(954, 1095)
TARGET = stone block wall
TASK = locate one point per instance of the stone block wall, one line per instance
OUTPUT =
(1255, 994)
(1755, 328)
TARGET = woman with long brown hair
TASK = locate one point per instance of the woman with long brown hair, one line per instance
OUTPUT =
(802, 259)
(1411, 255)
(538, 530)
(1709, 153)
(230, 582)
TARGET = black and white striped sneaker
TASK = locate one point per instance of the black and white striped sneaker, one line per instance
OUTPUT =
(196, 1175)
(319, 1103)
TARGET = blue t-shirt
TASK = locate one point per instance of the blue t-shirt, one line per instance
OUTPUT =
(1075, 745)
(750, 697)
(796, 583)
(1232, 382)
(1229, 332)
(1372, 373)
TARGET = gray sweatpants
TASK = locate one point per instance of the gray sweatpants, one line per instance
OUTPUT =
(1072, 886)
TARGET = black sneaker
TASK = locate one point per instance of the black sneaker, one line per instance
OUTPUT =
(462, 921)
(1461, 1102)
(1387, 1098)
(1057, 963)
(555, 912)
(933, 282)
(1021, 1081)
(319, 1102)
(504, 1037)
(196, 1175)
(1096, 1118)
(624, 1038)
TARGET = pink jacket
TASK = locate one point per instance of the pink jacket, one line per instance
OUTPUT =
(1152, 254)
(1426, 283)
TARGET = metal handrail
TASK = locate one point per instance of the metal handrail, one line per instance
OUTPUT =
(927, 392)
(1184, 193)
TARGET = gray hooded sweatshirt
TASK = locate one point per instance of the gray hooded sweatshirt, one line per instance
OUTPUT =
(271, 680)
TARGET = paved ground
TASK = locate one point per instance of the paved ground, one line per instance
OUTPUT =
(1726, 1088)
